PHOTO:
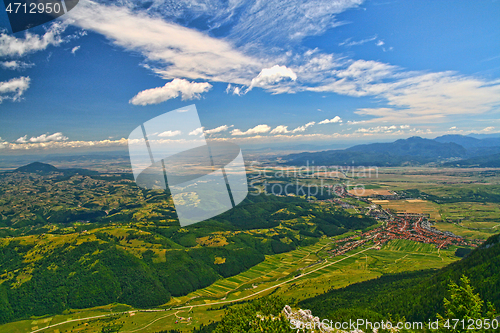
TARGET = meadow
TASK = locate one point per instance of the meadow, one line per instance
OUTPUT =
(291, 271)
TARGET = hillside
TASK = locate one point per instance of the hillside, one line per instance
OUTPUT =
(83, 241)
(417, 296)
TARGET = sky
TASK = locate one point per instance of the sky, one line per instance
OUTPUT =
(259, 72)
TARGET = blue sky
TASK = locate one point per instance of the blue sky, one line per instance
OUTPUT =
(271, 72)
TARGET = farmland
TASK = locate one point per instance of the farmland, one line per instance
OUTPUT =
(301, 246)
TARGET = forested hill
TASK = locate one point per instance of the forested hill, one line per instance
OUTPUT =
(147, 260)
(37, 167)
(416, 296)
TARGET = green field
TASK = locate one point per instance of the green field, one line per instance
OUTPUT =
(295, 275)
(396, 256)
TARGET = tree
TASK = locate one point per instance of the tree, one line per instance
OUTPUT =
(465, 306)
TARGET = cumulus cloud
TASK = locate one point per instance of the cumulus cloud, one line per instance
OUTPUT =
(336, 119)
(76, 48)
(259, 129)
(43, 138)
(281, 129)
(14, 88)
(15, 65)
(273, 75)
(219, 129)
(488, 129)
(169, 134)
(17, 47)
(188, 90)
(393, 130)
(197, 131)
(64, 145)
(303, 128)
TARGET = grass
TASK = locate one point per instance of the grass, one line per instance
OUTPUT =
(474, 220)
(395, 256)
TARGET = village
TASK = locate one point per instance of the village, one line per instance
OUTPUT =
(408, 226)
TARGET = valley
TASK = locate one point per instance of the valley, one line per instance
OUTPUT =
(302, 246)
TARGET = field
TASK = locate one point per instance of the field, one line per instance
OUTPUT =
(369, 192)
(304, 272)
(301, 273)
(477, 220)
(412, 206)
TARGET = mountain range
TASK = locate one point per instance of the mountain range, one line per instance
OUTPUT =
(447, 150)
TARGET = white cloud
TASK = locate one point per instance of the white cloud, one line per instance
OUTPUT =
(64, 145)
(259, 129)
(188, 90)
(76, 48)
(252, 21)
(380, 43)
(336, 119)
(168, 134)
(219, 129)
(303, 128)
(281, 129)
(273, 75)
(197, 131)
(43, 138)
(392, 130)
(350, 43)
(17, 47)
(15, 65)
(488, 129)
(235, 90)
(453, 128)
(172, 51)
(410, 96)
(14, 88)
(278, 22)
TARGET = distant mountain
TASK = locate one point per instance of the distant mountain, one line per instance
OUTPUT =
(37, 167)
(484, 136)
(482, 150)
(414, 146)
(44, 168)
(414, 150)
(464, 141)
(469, 141)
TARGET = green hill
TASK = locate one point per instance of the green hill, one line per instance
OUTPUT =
(143, 264)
